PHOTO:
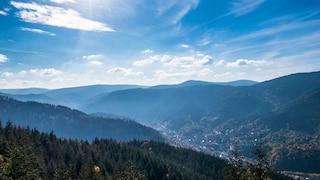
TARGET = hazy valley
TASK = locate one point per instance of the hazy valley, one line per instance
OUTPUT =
(209, 117)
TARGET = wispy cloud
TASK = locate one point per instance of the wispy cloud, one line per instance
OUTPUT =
(204, 72)
(219, 63)
(188, 61)
(242, 7)
(45, 72)
(96, 63)
(184, 45)
(57, 16)
(7, 74)
(3, 58)
(151, 60)
(277, 29)
(3, 13)
(176, 9)
(124, 71)
(93, 57)
(143, 62)
(19, 51)
(63, 1)
(246, 62)
(146, 51)
(39, 31)
(184, 62)
(204, 42)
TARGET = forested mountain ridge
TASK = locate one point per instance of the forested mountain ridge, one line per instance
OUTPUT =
(28, 154)
(213, 118)
(69, 123)
(75, 97)
(71, 97)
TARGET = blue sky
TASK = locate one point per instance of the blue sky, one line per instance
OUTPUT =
(63, 43)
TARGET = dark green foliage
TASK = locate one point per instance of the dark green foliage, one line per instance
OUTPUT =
(28, 154)
(240, 168)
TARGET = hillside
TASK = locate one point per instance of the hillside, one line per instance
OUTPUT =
(71, 97)
(45, 156)
(29, 154)
(69, 123)
(213, 118)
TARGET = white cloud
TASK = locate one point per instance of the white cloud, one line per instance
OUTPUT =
(57, 16)
(206, 60)
(23, 72)
(7, 74)
(246, 62)
(184, 45)
(96, 63)
(3, 13)
(147, 51)
(204, 42)
(3, 58)
(63, 1)
(204, 72)
(219, 63)
(271, 31)
(45, 72)
(151, 60)
(176, 8)
(182, 61)
(93, 57)
(188, 61)
(143, 62)
(39, 31)
(124, 71)
(242, 7)
(3, 82)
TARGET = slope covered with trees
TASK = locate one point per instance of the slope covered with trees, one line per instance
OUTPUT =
(212, 118)
(28, 154)
(69, 123)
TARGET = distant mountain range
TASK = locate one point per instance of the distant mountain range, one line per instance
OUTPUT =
(214, 117)
(76, 97)
(69, 123)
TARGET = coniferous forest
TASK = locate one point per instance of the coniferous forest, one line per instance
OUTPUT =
(29, 154)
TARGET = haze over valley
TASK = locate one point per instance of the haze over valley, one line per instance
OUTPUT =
(208, 117)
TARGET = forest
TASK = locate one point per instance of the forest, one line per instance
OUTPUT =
(29, 154)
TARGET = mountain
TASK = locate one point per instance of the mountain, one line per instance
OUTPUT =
(298, 123)
(69, 123)
(28, 154)
(24, 91)
(33, 97)
(44, 156)
(72, 97)
(76, 97)
(213, 118)
(239, 83)
(282, 90)
(197, 83)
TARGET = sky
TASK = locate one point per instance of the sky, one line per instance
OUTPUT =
(67, 43)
